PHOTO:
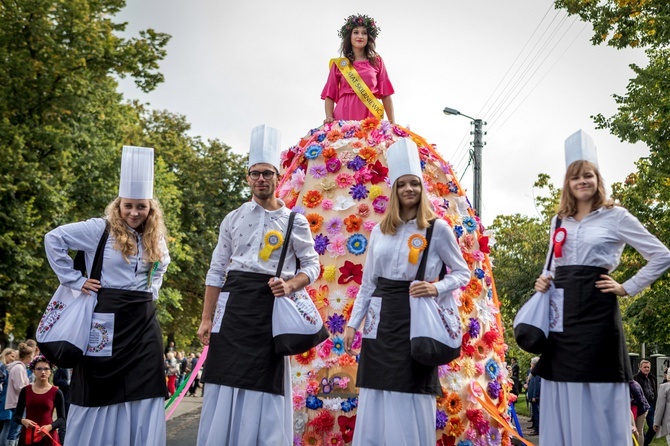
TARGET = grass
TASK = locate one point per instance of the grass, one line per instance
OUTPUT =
(523, 409)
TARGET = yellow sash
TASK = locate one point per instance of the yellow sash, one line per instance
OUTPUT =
(358, 85)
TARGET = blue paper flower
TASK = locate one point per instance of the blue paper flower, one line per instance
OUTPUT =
(479, 273)
(338, 345)
(312, 402)
(492, 368)
(441, 419)
(458, 230)
(470, 224)
(356, 244)
(356, 164)
(313, 151)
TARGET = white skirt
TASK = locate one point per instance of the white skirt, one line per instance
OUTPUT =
(386, 418)
(240, 417)
(585, 414)
(134, 423)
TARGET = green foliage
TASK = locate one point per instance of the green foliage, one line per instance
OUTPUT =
(519, 254)
(643, 115)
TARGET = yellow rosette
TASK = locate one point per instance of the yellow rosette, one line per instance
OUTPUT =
(273, 240)
(416, 243)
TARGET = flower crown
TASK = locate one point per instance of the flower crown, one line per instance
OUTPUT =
(354, 21)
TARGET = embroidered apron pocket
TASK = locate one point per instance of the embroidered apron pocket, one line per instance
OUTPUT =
(101, 337)
(220, 311)
(372, 318)
(556, 311)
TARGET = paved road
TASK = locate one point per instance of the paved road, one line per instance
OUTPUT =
(183, 429)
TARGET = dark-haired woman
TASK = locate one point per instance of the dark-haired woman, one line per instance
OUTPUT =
(39, 400)
(358, 50)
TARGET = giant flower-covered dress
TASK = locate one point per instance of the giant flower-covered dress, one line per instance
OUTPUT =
(337, 177)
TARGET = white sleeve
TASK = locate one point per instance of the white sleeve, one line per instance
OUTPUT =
(220, 256)
(82, 236)
(450, 254)
(368, 285)
(157, 277)
(654, 252)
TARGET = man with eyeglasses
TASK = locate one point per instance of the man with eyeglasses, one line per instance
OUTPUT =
(248, 398)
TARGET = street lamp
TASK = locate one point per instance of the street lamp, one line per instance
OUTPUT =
(475, 155)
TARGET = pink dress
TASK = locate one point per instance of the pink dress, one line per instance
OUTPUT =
(349, 107)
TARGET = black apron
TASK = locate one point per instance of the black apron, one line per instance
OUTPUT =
(386, 362)
(592, 346)
(135, 370)
(242, 354)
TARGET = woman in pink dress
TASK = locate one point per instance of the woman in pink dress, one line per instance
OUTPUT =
(358, 45)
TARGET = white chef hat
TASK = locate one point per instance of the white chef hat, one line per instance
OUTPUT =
(403, 159)
(264, 147)
(580, 146)
(137, 173)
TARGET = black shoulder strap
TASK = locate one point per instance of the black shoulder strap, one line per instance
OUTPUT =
(284, 247)
(424, 256)
(80, 257)
(551, 255)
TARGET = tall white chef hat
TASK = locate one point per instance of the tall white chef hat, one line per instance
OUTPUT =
(264, 147)
(580, 146)
(137, 173)
(403, 159)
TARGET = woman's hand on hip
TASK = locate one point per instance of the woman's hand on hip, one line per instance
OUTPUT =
(422, 289)
(542, 284)
(609, 285)
(91, 285)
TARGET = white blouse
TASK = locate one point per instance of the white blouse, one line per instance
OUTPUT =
(117, 272)
(388, 257)
(242, 237)
(599, 240)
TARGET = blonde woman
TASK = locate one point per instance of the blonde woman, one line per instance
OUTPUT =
(17, 379)
(397, 400)
(117, 392)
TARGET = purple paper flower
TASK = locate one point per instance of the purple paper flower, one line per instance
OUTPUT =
(318, 171)
(441, 419)
(379, 204)
(320, 244)
(356, 163)
(334, 225)
(474, 328)
(359, 192)
(493, 389)
(336, 323)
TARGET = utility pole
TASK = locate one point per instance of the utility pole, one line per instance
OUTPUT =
(475, 155)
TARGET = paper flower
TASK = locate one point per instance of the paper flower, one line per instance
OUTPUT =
(337, 246)
(323, 422)
(358, 192)
(312, 198)
(363, 210)
(342, 203)
(379, 204)
(333, 165)
(313, 151)
(329, 273)
(356, 244)
(350, 271)
(334, 226)
(356, 163)
(315, 221)
(378, 172)
(336, 323)
(347, 425)
(318, 171)
(320, 243)
(344, 180)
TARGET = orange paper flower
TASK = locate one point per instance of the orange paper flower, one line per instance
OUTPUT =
(369, 123)
(453, 404)
(328, 153)
(353, 223)
(307, 357)
(315, 221)
(312, 199)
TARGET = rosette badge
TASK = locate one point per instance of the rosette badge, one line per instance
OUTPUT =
(273, 240)
(416, 243)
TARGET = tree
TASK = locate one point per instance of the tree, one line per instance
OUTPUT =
(61, 124)
(643, 115)
(519, 254)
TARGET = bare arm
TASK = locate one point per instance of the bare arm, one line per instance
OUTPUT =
(388, 108)
(329, 105)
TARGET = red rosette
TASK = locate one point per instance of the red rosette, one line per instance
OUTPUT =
(559, 240)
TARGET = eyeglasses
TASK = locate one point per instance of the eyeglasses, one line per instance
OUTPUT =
(42, 369)
(267, 174)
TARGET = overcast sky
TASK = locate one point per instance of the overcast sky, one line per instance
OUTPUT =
(528, 70)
